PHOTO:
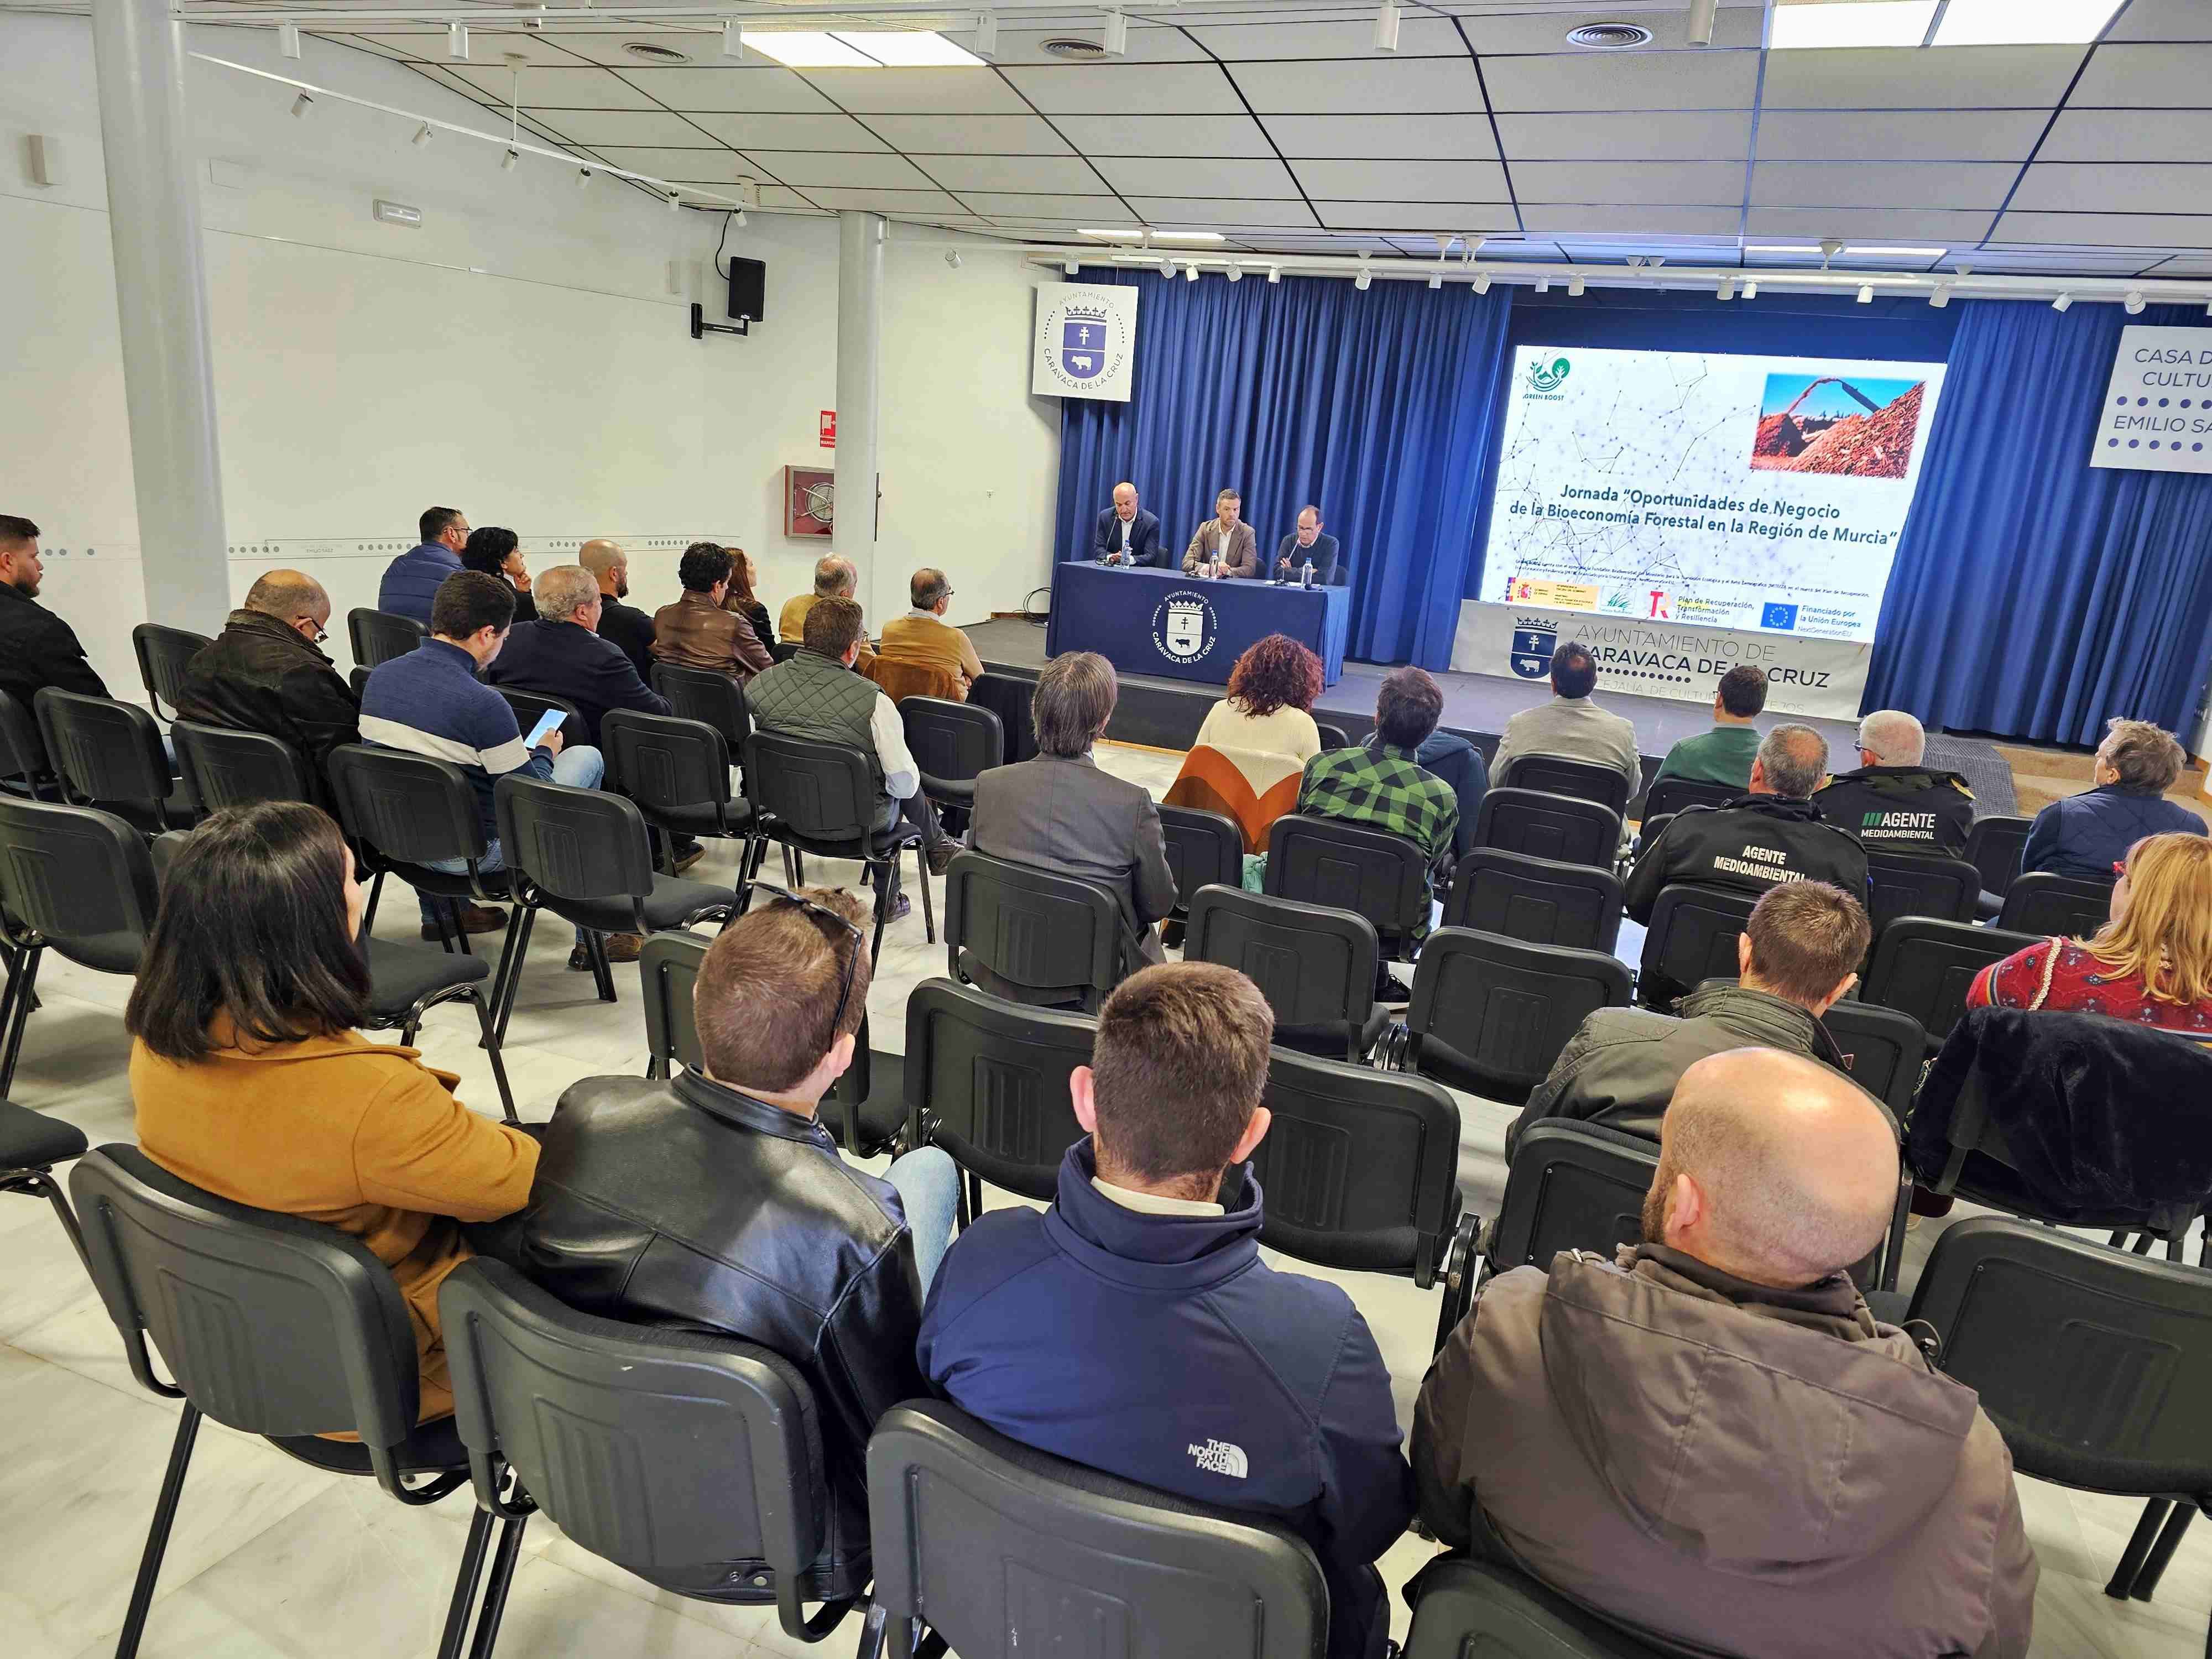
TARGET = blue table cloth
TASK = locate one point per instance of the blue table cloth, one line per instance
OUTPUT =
(1158, 622)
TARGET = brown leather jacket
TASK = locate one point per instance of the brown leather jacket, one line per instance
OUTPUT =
(696, 633)
(1746, 1469)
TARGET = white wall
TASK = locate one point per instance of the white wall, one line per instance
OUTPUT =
(519, 356)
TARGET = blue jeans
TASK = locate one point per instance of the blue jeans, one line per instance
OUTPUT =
(928, 1183)
(579, 768)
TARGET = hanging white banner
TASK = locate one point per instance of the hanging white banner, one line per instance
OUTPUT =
(1086, 341)
(2158, 408)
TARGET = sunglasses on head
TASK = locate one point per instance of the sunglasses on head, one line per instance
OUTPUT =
(815, 912)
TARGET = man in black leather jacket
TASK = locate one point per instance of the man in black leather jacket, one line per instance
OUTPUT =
(266, 672)
(715, 1201)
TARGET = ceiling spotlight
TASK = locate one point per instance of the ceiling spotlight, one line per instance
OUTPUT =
(1070, 267)
(301, 105)
(2065, 302)
(1701, 21)
(457, 42)
(1942, 296)
(1364, 281)
(1114, 35)
(1190, 273)
(422, 136)
(1726, 290)
(987, 34)
(738, 218)
(1482, 282)
(506, 162)
(1276, 274)
(1750, 288)
(1575, 289)
(2135, 302)
(733, 40)
(1236, 273)
(583, 178)
(1543, 285)
(952, 257)
(1866, 293)
(1386, 26)
(675, 200)
(288, 39)
(1435, 282)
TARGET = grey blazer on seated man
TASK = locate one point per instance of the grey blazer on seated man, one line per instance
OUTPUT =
(1241, 553)
(1068, 816)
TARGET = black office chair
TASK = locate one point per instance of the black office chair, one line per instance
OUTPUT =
(1925, 967)
(1491, 1014)
(1313, 964)
(2094, 1363)
(1548, 826)
(24, 769)
(782, 650)
(677, 772)
(1333, 737)
(272, 1325)
(358, 678)
(31, 1144)
(74, 880)
(1035, 936)
(705, 695)
(1579, 779)
(1007, 1553)
(531, 706)
(378, 636)
(583, 855)
(1690, 938)
(407, 981)
(2047, 906)
(403, 811)
(1361, 1171)
(1920, 885)
(1369, 872)
(987, 1080)
(1882, 1049)
(1668, 796)
(162, 653)
(820, 798)
(227, 768)
(953, 743)
(110, 754)
(1008, 697)
(1541, 901)
(1993, 847)
(1473, 1609)
(670, 1453)
(1204, 849)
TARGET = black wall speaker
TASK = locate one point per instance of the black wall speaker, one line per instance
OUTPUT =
(747, 289)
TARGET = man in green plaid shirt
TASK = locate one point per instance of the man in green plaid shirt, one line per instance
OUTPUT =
(1380, 786)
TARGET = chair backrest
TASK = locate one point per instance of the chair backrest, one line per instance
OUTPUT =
(109, 752)
(1670, 795)
(820, 791)
(1925, 967)
(1548, 826)
(1333, 737)
(670, 766)
(74, 873)
(531, 706)
(1369, 872)
(1314, 964)
(987, 1080)
(23, 750)
(1558, 775)
(1038, 929)
(405, 807)
(163, 653)
(953, 743)
(1882, 1049)
(1542, 901)
(378, 636)
(2094, 1363)
(660, 1450)
(1920, 885)
(269, 1323)
(901, 679)
(1008, 697)
(668, 969)
(2047, 905)
(1203, 848)
(1692, 933)
(1360, 1167)
(1572, 1187)
(1993, 847)
(229, 767)
(1478, 1610)
(1011, 1552)
(1504, 1008)
(358, 678)
(703, 694)
(574, 843)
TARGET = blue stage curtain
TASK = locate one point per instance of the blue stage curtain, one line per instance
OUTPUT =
(2034, 595)
(1376, 406)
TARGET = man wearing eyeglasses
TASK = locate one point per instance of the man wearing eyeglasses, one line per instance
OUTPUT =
(266, 672)
(716, 1200)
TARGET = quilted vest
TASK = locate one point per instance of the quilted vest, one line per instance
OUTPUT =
(815, 697)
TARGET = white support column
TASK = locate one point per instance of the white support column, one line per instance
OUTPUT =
(161, 304)
(860, 335)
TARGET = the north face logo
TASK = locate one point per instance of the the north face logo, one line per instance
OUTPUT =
(1219, 1457)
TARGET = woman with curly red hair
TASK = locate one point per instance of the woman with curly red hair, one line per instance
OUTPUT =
(1255, 741)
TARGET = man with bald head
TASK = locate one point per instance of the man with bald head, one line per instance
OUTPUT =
(624, 625)
(1892, 802)
(1709, 1437)
(266, 672)
(1126, 534)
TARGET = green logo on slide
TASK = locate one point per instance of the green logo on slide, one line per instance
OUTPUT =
(1546, 377)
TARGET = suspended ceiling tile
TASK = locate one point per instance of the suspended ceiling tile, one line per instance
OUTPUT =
(1626, 81)
(1532, 30)
(2009, 259)
(596, 127)
(1996, 135)
(843, 169)
(1418, 37)
(885, 201)
(2182, 267)
(1107, 212)
(2107, 229)
(1228, 135)
(2144, 76)
(1356, 138)
(1439, 218)
(1638, 136)
(2074, 187)
(969, 135)
(1435, 85)
(490, 50)
(1205, 214)
(1164, 44)
(1156, 89)
(918, 91)
(1679, 184)
(556, 88)
(404, 48)
(1570, 219)
(767, 132)
(1403, 181)
(1043, 175)
(2163, 20)
(776, 196)
(702, 42)
(1898, 185)
(740, 91)
(1936, 78)
(1189, 176)
(1926, 226)
(693, 167)
(2130, 135)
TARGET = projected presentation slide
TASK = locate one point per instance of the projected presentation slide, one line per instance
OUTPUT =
(1715, 490)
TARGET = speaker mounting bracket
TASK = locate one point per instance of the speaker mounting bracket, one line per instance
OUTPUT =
(700, 328)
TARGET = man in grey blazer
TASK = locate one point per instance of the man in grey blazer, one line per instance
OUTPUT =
(1060, 812)
(1223, 545)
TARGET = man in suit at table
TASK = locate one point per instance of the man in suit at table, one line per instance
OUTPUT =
(1307, 545)
(1126, 534)
(1223, 545)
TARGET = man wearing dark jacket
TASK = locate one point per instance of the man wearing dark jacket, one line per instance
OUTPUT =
(37, 647)
(625, 624)
(1710, 1437)
(1892, 803)
(1132, 1326)
(266, 672)
(717, 1201)
(561, 654)
(2083, 836)
(411, 582)
(1798, 953)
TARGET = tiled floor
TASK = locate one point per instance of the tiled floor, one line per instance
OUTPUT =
(270, 1557)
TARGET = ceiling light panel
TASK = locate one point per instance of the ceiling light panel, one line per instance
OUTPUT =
(2023, 22)
(908, 48)
(1870, 23)
(808, 49)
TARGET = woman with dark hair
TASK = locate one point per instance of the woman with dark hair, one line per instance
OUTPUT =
(1256, 741)
(498, 552)
(251, 1081)
(742, 600)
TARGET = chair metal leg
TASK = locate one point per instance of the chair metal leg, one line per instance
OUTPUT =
(886, 886)
(603, 975)
(2169, 1539)
(464, 1585)
(157, 1535)
(873, 1629)
(2123, 1580)
(492, 1052)
(921, 873)
(15, 1011)
(368, 916)
(510, 963)
(496, 1590)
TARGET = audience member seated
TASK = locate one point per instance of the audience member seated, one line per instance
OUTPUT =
(498, 552)
(1134, 1327)
(1724, 754)
(431, 702)
(1224, 545)
(1248, 763)
(266, 672)
(1571, 726)
(742, 600)
(814, 697)
(716, 1201)
(251, 1081)
(1798, 954)
(1060, 812)
(922, 636)
(625, 624)
(1892, 803)
(411, 582)
(697, 632)
(2084, 836)
(2150, 964)
(37, 647)
(833, 579)
(1710, 1437)
(561, 654)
